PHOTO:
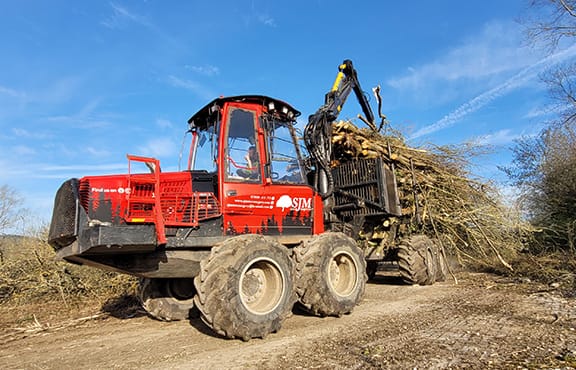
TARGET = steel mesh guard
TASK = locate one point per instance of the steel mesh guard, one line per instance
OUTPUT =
(364, 187)
(63, 226)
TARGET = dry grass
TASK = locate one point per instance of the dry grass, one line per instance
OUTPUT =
(35, 288)
(557, 270)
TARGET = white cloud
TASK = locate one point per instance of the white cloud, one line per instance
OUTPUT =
(164, 123)
(537, 112)
(499, 138)
(60, 91)
(79, 122)
(11, 92)
(97, 152)
(85, 118)
(206, 70)
(493, 52)
(511, 84)
(23, 150)
(186, 84)
(20, 132)
(548, 110)
(84, 167)
(160, 147)
(11, 172)
(27, 134)
(259, 13)
(193, 86)
(121, 16)
(8, 172)
(55, 92)
(266, 20)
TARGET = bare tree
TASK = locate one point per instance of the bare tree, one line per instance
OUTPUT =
(561, 84)
(551, 21)
(544, 167)
(548, 23)
(11, 211)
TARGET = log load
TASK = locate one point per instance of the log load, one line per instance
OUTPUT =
(465, 215)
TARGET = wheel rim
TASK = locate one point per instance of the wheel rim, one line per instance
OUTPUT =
(261, 286)
(343, 274)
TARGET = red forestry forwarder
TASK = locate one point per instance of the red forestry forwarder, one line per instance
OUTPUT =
(251, 226)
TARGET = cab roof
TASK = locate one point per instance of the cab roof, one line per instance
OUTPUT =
(201, 118)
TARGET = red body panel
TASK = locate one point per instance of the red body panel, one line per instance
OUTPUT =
(270, 209)
(247, 205)
(131, 199)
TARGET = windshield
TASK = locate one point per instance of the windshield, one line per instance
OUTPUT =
(285, 152)
(206, 151)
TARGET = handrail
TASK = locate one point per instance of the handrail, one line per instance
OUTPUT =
(159, 219)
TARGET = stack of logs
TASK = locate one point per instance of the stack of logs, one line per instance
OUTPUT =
(466, 215)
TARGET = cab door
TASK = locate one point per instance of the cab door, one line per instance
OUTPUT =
(262, 192)
(242, 170)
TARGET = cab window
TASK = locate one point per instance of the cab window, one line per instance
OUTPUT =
(242, 157)
(285, 163)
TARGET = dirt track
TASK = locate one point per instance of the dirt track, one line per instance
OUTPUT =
(484, 321)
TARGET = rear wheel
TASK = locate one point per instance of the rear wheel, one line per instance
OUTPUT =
(417, 260)
(442, 264)
(331, 274)
(245, 287)
(371, 269)
(167, 299)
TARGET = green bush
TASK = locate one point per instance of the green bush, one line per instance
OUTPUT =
(544, 168)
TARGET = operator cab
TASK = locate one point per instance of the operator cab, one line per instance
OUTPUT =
(250, 144)
(248, 119)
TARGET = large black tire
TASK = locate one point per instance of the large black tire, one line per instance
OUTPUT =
(167, 299)
(331, 274)
(245, 288)
(417, 260)
(371, 269)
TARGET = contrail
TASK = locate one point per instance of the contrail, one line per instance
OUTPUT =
(483, 99)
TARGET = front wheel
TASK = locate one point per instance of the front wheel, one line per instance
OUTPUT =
(167, 299)
(331, 274)
(245, 287)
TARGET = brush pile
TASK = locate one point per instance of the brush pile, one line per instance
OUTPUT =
(465, 215)
(31, 278)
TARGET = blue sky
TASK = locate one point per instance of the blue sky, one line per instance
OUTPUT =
(83, 83)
